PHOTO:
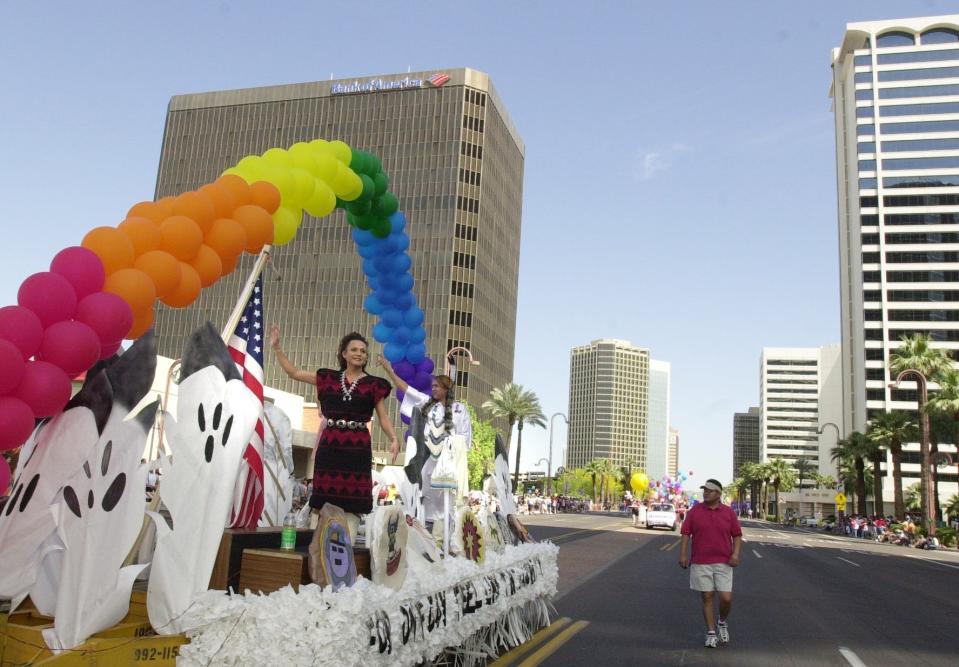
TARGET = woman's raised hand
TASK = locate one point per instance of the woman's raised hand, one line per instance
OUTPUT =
(275, 336)
(383, 362)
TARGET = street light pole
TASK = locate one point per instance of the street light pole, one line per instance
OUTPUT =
(549, 478)
(819, 431)
(927, 503)
(449, 354)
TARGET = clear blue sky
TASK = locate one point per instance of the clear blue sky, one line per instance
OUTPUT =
(680, 172)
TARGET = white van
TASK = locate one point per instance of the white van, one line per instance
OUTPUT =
(661, 515)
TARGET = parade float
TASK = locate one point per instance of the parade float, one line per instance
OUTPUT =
(89, 574)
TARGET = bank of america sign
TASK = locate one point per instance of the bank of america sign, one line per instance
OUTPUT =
(378, 85)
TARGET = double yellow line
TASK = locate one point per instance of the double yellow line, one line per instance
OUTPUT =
(669, 547)
(541, 645)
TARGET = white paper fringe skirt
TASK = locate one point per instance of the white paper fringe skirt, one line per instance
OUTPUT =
(455, 613)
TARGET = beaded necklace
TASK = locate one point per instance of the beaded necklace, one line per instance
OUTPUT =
(348, 393)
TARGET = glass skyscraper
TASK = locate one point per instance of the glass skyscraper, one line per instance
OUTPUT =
(896, 101)
(455, 161)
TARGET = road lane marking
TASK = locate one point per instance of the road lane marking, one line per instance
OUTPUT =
(550, 647)
(672, 546)
(758, 555)
(933, 560)
(851, 657)
(848, 561)
(534, 641)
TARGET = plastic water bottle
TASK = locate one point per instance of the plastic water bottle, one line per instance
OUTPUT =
(288, 536)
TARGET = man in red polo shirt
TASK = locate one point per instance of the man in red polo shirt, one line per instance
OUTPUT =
(717, 541)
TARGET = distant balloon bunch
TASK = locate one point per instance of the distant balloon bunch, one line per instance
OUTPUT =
(669, 489)
(105, 290)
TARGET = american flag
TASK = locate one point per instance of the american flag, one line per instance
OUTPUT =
(246, 348)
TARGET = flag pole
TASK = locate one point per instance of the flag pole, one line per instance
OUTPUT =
(245, 294)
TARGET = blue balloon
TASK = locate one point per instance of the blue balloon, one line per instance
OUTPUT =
(386, 296)
(374, 282)
(368, 268)
(413, 317)
(404, 283)
(392, 318)
(404, 301)
(397, 221)
(394, 351)
(372, 305)
(401, 336)
(366, 251)
(383, 264)
(402, 243)
(415, 353)
(417, 335)
(386, 246)
(381, 332)
(401, 263)
(363, 237)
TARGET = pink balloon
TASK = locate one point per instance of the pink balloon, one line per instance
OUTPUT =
(107, 350)
(82, 268)
(21, 327)
(4, 476)
(71, 345)
(45, 388)
(11, 367)
(107, 314)
(49, 295)
(16, 424)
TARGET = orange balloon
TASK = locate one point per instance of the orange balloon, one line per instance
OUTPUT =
(188, 289)
(163, 269)
(133, 286)
(229, 264)
(208, 265)
(237, 187)
(265, 195)
(166, 207)
(196, 206)
(143, 234)
(227, 237)
(142, 322)
(112, 246)
(258, 224)
(222, 198)
(147, 209)
(181, 237)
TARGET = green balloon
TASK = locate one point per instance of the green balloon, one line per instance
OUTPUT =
(382, 228)
(341, 203)
(375, 165)
(365, 222)
(380, 182)
(358, 162)
(387, 204)
(368, 188)
(359, 208)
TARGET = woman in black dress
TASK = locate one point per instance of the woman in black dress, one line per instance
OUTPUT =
(343, 455)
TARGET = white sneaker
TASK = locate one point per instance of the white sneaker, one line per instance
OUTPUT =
(710, 640)
(722, 630)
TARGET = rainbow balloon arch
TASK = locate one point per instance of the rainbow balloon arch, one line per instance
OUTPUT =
(105, 290)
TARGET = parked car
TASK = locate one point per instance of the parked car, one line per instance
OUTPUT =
(809, 521)
(661, 515)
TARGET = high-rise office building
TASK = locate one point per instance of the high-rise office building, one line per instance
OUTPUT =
(455, 161)
(608, 403)
(672, 457)
(657, 425)
(800, 390)
(896, 101)
(746, 447)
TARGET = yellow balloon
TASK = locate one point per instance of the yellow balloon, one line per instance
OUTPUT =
(347, 185)
(321, 146)
(284, 181)
(302, 156)
(342, 152)
(285, 224)
(305, 184)
(639, 482)
(278, 157)
(326, 167)
(322, 202)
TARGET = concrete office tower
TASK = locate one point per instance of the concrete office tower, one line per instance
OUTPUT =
(657, 426)
(746, 446)
(608, 403)
(672, 457)
(800, 389)
(896, 101)
(455, 161)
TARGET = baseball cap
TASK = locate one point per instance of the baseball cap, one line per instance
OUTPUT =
(713, 485)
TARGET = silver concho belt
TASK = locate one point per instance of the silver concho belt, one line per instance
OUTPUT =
(345, 425)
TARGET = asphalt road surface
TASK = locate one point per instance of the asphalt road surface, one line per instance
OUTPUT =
(801, 597)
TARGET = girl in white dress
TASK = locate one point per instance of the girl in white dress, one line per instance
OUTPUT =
(444, 418)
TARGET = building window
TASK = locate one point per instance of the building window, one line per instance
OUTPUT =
(939, 36)
(895, 38)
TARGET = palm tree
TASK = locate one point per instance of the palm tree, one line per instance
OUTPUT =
(914, 497)
(783, 477)
(594, 468)
(876, 454)
(952, 507)
(946, 402)
(804, 468)
(851, 451)
(749, 471)
(890, 430)
(607, 473)
(739, 486)
(915, 354)
(518, 406)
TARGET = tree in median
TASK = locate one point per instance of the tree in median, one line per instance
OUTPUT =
(889, 430)
(518, 406)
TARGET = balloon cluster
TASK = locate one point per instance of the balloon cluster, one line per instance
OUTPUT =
(669, 489)
(639, 482)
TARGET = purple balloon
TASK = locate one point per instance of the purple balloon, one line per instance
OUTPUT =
(404, 369)
(423, 381)
(425, 366)
(400, 394)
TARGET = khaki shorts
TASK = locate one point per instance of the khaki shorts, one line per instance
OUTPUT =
(713, 577)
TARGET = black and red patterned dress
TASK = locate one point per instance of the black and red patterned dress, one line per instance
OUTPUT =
(342, 474)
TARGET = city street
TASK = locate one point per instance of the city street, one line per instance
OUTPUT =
(801, 597)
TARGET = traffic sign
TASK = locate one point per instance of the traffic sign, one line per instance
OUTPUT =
(840, 498)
